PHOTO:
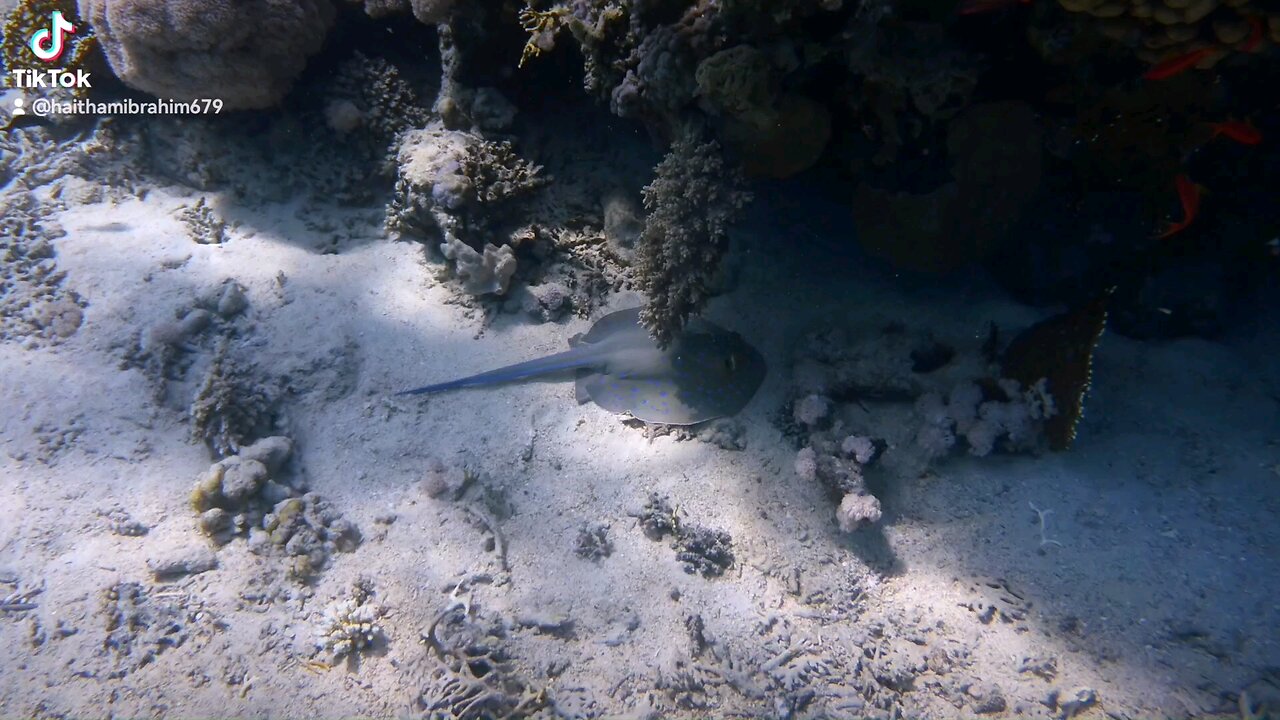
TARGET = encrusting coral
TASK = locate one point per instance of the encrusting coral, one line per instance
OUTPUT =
(691, 202)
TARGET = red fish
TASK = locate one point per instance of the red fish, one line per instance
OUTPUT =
(1178, 65)
(1252, 42)
(978, 7)
(1241, 132)
(1189, 196)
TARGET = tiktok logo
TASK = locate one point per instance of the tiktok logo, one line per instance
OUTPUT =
(49, 43)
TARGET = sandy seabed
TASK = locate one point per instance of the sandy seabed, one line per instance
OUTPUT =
(1145, 586)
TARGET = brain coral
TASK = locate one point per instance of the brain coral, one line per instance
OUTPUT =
(247, 53)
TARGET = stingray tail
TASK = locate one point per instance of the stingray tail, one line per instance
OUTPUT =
(579, 357)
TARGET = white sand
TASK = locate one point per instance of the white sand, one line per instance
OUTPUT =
(1161, 598)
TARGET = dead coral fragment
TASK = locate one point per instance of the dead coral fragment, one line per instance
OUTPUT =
(474, 678)
(203, 224)
(691, 203)
(593, 542)
(138, 628)
(703, 551)
(229, 409)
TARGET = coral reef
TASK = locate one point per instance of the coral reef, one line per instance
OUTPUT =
(657, 518)
(448, 482)
(995, 152)
(703, 551)
(310, 531)
(487, 273)
(1014, 416)
(247, 55)
(372, 95)
(350, 625)
(1166, 29)
(870, 407)
(699, 550)
(247, 494)
(913, 80)
(691, 202)
(233, 482)
(454, 183)
(838, 466)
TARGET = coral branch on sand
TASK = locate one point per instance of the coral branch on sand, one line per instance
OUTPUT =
(691, 202)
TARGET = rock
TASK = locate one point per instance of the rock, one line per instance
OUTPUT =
(987, 699)
(241, 478)
(232, 301)
(272, 452)
(1076, 702)
(187, 560)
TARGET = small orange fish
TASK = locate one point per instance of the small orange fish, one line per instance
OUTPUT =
(1241, 132)
(1178, 65)
(1189, 196)
(978, 7)
(1252, 42)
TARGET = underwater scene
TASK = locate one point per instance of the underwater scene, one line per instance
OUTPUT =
(647, 359)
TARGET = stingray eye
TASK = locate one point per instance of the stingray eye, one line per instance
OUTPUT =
(731, 362)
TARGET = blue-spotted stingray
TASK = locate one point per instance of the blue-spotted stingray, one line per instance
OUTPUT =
(706, 372)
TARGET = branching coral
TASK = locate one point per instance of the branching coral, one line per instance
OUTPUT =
(452, 181)
(691, 202)
(350, 625)
(371, 93)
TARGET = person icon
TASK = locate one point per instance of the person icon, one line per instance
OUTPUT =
(18, 108)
